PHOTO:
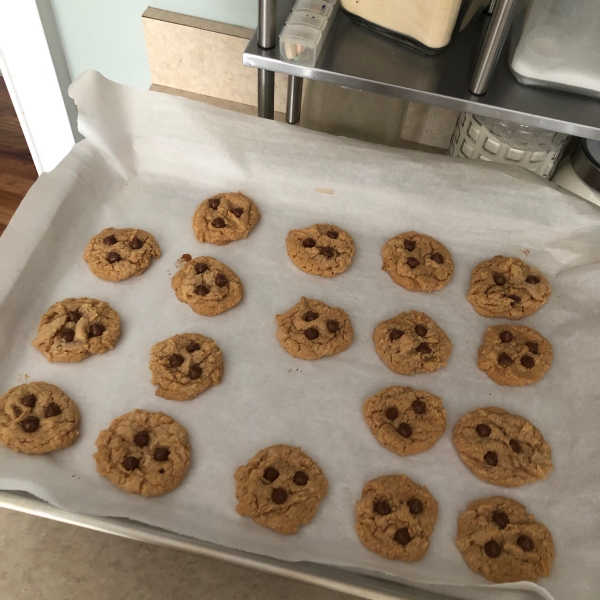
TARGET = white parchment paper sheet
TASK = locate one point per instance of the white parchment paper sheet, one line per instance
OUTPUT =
(147, 162)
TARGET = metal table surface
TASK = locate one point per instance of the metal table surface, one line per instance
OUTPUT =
(357, 58)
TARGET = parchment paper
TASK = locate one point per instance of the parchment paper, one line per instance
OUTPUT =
(147, 162)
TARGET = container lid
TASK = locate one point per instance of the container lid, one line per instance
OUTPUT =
(586, 162)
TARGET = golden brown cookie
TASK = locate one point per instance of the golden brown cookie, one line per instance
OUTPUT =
(311, 330)
(322, 249)
(405, 421)
(507, 288)
(225, 218)
(185, 365)
(208, 286)
(143, 453)
(75, 328)
(280, 488)
(118, 254)
(395, 518)
(412, 343)
(36, 418)
(417, 262)
(514, 355)
(500, 540)
(502, 448)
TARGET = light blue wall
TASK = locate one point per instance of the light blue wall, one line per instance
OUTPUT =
(107, 35)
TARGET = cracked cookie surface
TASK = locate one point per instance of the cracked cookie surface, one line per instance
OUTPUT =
(395, 518)
(36, 418)
(75, 328)
(280, 488)
(502, 448)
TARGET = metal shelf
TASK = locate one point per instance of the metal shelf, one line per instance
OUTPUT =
(357, 58)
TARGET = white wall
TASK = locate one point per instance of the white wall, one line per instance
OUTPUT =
(107, 35)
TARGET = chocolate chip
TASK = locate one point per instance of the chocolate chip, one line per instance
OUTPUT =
(237, 211)
(192, 347)
(410, 245)
(176, 360)
(186, 257)
(136, 243)
(333, 235)
(405, 430)
(391, 413)
(73, 316)
(515, 300)
(483, 430)
(396, 334)
(30, 424)
(161, 470)
(195, 372)
(29, 400)
(382, 507)
(421, 330)
(141, 439)
(526, 543)
(309, 243)
(161, 454)
(412, 262)
(271, 474)
(491, 458)
(532, 279)
(492, 549)
(130, 463)
(438, 258)
(52, 410)
(332, 326)
(113, 257)
(311, 333)
(67, 334)
(415, 506)
(499, 279)
(201, 290)
(218, 223)
(506, 337)
(327, 252)
(402, 536)
(504, 360)
(533, 347)
(214, 202)
(528, 361)
(200, 267)
(419, 407)
(424, 348)
(516, 447)
(110, 240)
(310, 316)
(96, 330)
(501, 519)
(221, 280)
(279, 495)
(300, 478)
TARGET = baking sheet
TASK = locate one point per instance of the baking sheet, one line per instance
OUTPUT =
(147, 162)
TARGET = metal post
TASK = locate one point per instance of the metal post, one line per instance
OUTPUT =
(492, 46)
(294, 99)
(267, 38)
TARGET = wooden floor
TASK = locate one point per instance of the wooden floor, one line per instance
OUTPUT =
(17, 171)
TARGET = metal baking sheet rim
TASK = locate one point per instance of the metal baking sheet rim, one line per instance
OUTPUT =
(333, 578)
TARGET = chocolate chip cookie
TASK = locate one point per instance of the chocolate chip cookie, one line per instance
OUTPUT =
(280, 488)
(118, 254)
(395, 518)
(225, 218)
(500, 540)
(311, 330)
(75, 328)
(514, 355)
(502, 448)
(405, 421)
(143, 453)
(507, 288)
(417, 262)
(412, 343)
(208, 286)
(185, 365)
(36, 418)
(322, 249)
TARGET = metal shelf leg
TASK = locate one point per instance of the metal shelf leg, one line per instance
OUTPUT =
(267, 38)
(294, 99)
